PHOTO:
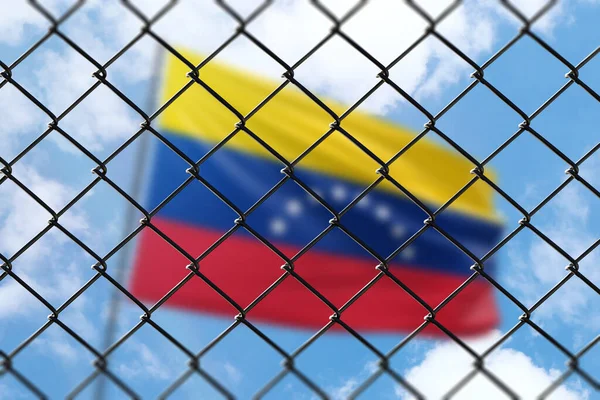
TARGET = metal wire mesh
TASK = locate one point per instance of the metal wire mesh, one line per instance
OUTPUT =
(244, 317)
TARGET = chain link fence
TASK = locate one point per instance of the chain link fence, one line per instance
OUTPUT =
(102, 363)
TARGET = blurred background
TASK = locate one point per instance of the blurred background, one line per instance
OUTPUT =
(51, 53)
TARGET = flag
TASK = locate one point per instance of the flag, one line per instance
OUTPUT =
(241, 169)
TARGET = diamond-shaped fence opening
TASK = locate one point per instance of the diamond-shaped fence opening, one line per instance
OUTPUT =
(71, 91)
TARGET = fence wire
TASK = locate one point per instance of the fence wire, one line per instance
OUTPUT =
(102, 365)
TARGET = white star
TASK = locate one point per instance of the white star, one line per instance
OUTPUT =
(293, 207)
(398, 231)
(339, 193)
(278, 226)
(382, 213)
(365, 202)
(408, 253)
(312, 199)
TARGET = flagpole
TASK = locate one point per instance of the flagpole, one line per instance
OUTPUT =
(126, 253)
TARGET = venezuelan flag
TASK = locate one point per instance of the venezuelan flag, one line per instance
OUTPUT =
(243, 170)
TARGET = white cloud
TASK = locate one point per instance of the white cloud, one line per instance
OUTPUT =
(48, 266)
(349, 385)
(53, 342)
(21, 218)
(20, 117)
(289, 28)
(145, 365)
(384, 28)
(536, 266)
(8, 392)
(16, 19)
(101, 118)
(15, 300)
(21, 21)
(345, 390)
(61, 75)
(101, 28)
(233, 373)
(514, 368)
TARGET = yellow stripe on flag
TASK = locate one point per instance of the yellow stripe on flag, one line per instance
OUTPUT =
(291, 122)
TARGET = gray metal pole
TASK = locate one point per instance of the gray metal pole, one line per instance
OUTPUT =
(130, 222)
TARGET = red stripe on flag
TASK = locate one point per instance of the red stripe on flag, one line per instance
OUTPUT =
(243, 268)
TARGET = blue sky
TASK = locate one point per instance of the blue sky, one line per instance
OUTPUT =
(56, 267)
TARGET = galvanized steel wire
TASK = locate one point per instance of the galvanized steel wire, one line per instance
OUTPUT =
(102, 363)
